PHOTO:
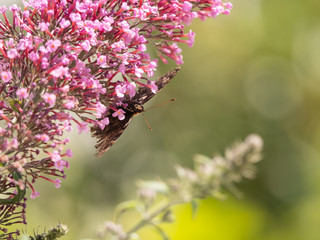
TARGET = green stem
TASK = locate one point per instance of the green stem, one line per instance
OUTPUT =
(148, 219)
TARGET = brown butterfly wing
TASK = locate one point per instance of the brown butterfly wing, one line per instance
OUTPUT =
(144, 94)
(110, 134)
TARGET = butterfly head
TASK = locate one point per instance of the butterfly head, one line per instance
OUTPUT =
(137, 108)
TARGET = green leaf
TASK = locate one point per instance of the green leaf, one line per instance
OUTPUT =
(20, 193)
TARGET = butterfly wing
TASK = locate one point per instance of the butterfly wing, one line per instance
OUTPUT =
(144, 94)
(110, 134)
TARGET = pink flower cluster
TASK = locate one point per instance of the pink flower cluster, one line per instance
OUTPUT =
(64, 61)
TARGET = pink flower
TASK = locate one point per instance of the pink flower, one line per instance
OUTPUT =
(11, 43)
(34, 56)
(154, 87)
(102, 61)
(3, 9)
(138, 72)
(216, 10)
(119, 113)
(43, 26)
(43, 137)
(102, 124)
(67, 126)
(55, 156)
(226, 12)
(44, 63)
(49, 98)
(64, 23)
(152, 68)
(6, 76)
(69, 153)
(14, 8)
(14, 143)
(100, 108)
(65, 60)
(57, 183)
(60, 164)
(69, 104)
(12, 53)
(22, 93)
(85, 45)
(52, 45)
(186, 6)
(43, 50)
(34, 195)
(124, 6)
(65, 89)
(130, 89)
(60, 72)
(129, 34)
(118, 46)
(106, 26)
(191, 36)
(120, 91)
(75, 17)
(83, 127)
(142, 48)
(23, 44)
(228, 5)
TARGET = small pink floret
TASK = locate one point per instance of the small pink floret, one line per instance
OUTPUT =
(57, 183)
(154, 87)
(102, 124)
(12, 53)
(55, 156)
(85, 45)
(43, 137)
(69, 104)
(60, 165)
(69, 153)
(102, 61)
(119, 113)
(52, 45)
(49, 98)
(22, 93)
(83, 127)
(186, 6)
(138, 72)
(34, 195)
(6, 76)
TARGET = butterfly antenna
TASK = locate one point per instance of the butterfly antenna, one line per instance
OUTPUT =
(171, 100)
(144, 117)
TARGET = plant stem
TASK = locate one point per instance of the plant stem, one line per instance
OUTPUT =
(147, 220)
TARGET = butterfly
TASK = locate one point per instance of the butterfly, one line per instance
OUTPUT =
(109, 135)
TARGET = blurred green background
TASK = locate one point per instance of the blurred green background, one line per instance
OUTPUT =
(257, 70)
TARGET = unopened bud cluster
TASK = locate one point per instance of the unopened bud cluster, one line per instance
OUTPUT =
(208, 178)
